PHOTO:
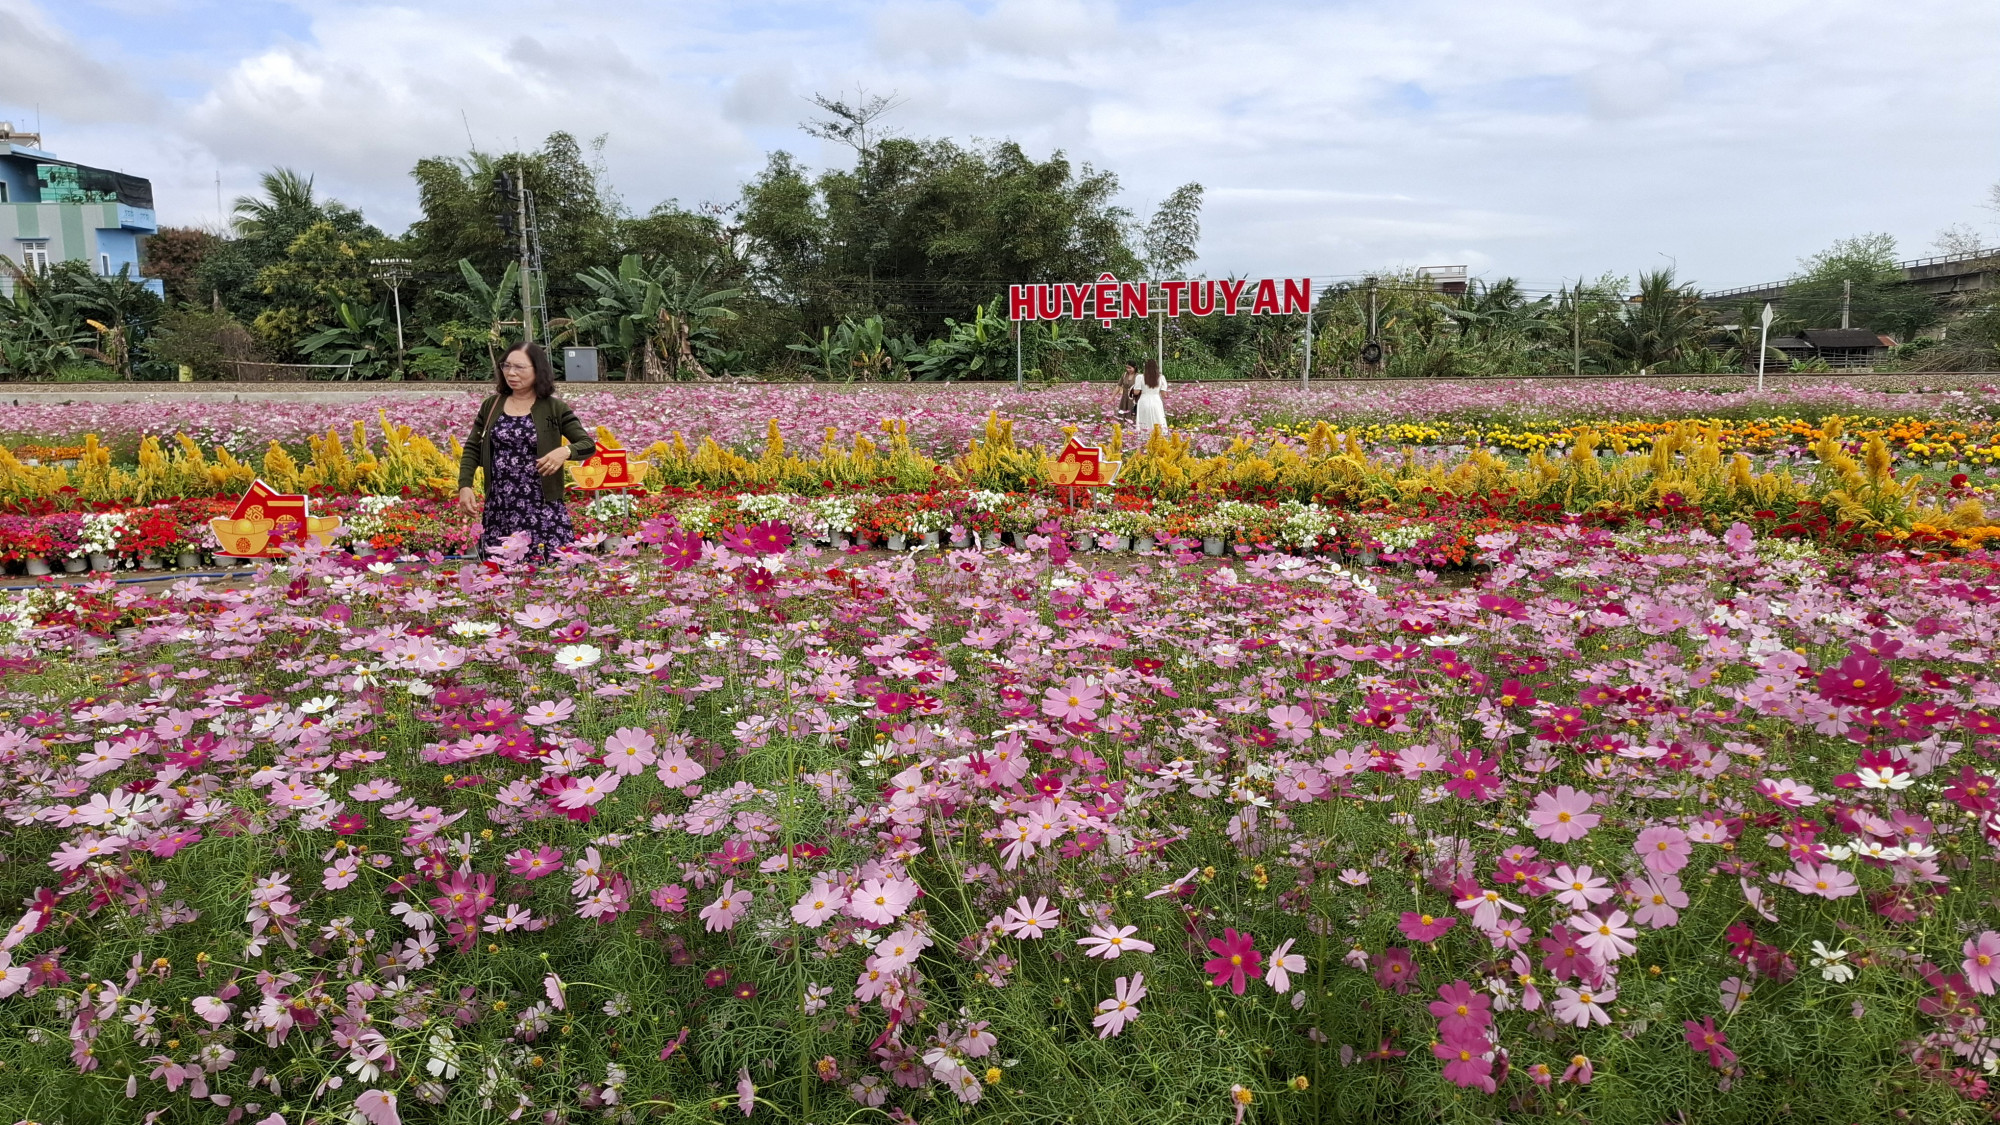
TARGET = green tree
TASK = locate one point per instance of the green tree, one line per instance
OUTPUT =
(1173, 232)
(918, 230)
(266, 227)
(461, 213)
(1864, 270)
(323, 269)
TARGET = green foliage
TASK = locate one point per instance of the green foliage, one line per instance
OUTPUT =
(655, 316)
(55, 319)
(1866, 264)
(209, 342)
(361, 336)
(918, 230)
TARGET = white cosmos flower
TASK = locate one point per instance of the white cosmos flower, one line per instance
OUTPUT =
(475, 628)
(575, 658)
(319, 703)
(1832, 963)
(418, 687)
(382, 568)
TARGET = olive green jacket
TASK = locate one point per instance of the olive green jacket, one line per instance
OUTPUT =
(554, 421)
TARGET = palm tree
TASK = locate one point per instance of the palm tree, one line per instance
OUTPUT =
(287, 204)
(1665, 321)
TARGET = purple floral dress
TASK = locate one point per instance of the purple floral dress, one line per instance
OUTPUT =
(514, 500)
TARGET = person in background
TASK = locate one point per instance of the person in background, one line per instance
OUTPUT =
(1128, 393)
(1151, 413)
(517, 438)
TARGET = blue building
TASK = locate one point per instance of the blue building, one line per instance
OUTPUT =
(54, 210)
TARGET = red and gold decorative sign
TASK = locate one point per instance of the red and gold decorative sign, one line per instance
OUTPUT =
(1085, 466)
(265, 520)
(608, 470)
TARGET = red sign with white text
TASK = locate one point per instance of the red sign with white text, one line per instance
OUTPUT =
(1108, 298)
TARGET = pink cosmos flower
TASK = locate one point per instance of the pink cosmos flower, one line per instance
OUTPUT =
(1291, 723)
(726, 910)
(1029, 923)
(378, 1107)
(1607, 938)
(532, 865)
(1471, 777)
(1283, 964)
(587, 791)
(881, 901)
(1235, 961)
(1110, 941)
(1660, 900)
(1563, 815)
(1578, 888)
(1122, 1007)
(1423, 927)
(1982, 962)
(1827, 880)
(1583, 1006)
(671, 898)
(1074, 701)
(1663, 849)
(629, 751)
(820, 903)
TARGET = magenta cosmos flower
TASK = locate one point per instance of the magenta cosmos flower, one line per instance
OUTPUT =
(1395, 970)
(1705, 1038)
(1423, 927)
(1235, 961)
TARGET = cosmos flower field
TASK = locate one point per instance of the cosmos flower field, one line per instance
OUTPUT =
(1353, 784)
(1634, 827)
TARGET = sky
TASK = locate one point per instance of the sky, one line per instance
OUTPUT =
(1537, 139)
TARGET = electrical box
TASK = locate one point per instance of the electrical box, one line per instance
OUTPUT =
(579, 365)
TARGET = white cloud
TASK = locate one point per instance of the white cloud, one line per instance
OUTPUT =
(1544, 138)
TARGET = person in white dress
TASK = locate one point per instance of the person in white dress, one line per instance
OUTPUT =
(1152, 403)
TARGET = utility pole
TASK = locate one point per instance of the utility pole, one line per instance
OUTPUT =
(521, 226)
(1576, 331)
(1846, 294)
(1305, 374)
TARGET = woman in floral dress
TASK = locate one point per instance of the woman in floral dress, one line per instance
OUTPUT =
(517, 438)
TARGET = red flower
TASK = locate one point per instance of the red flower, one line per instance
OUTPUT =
(680, 550)
(1235, 960)
(347, 824)
(1859, 680)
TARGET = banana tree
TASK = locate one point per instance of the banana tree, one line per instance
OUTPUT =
(38, 334)
(829, 351)
(972, 350)
(655, 315)
(495, 308)
(361, 337)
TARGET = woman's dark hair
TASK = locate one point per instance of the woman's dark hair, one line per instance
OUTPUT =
(538, 358)
(1152, 372)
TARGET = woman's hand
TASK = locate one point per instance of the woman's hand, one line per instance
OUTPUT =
(552, 461)
(469, 500)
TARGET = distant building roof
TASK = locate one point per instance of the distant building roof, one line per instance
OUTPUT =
(1846, 338)
(1791, 344)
